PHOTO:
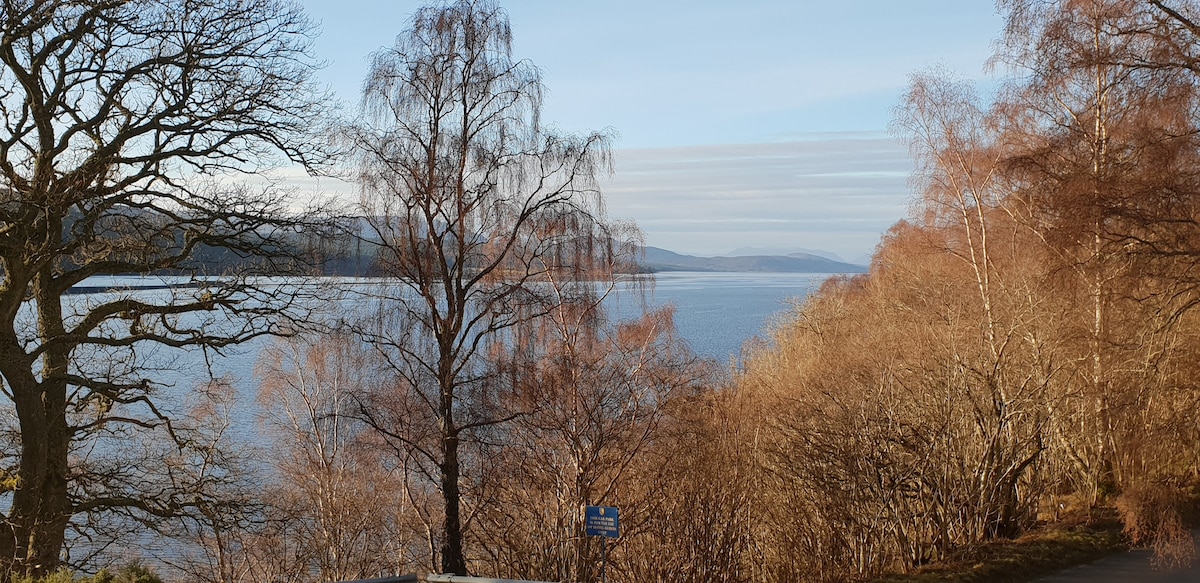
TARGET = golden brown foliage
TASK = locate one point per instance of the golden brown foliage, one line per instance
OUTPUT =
(1024, 348)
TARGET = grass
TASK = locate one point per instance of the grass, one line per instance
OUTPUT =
(1034, 555)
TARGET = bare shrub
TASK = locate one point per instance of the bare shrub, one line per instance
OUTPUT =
(1153, 517)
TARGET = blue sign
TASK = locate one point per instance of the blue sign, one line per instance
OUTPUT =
(602, 521)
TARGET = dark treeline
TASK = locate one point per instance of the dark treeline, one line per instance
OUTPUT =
(337, 247)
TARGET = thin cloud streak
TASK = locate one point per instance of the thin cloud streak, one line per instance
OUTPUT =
(836, 192)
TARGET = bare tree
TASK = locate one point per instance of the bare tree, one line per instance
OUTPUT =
(596, 397)
(1103, 150)
(474, 207)
(114, 118)
(334, 500)
(692, 516)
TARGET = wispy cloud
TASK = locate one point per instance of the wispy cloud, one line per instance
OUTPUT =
(837, 192)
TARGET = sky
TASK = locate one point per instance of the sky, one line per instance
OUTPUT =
(760, 123)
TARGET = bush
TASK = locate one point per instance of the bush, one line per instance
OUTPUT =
(1153, 517)
(131, 573)
(62, 575)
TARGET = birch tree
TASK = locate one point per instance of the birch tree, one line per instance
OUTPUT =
(474, 206)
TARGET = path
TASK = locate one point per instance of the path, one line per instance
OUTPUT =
(1129, 567)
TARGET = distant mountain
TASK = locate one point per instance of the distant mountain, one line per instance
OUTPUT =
(756, 251)
(656, 259)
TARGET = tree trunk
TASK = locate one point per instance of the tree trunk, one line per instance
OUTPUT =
(41, 508)
(453, 561)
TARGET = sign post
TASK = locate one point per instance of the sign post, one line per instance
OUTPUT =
(604, 522)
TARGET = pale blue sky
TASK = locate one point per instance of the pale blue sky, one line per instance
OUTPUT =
(726, 112)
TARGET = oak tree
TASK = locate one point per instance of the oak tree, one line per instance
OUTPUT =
(122, 125)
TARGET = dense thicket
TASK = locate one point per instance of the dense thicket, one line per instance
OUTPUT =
(1024, 347)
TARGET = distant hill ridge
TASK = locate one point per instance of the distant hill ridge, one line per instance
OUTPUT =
(788, 251)
(656, 259)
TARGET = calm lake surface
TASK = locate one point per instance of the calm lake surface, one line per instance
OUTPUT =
(718, 312)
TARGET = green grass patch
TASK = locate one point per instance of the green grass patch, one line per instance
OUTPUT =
(1034, 555)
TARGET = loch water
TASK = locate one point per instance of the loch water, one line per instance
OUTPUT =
(717, 313)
